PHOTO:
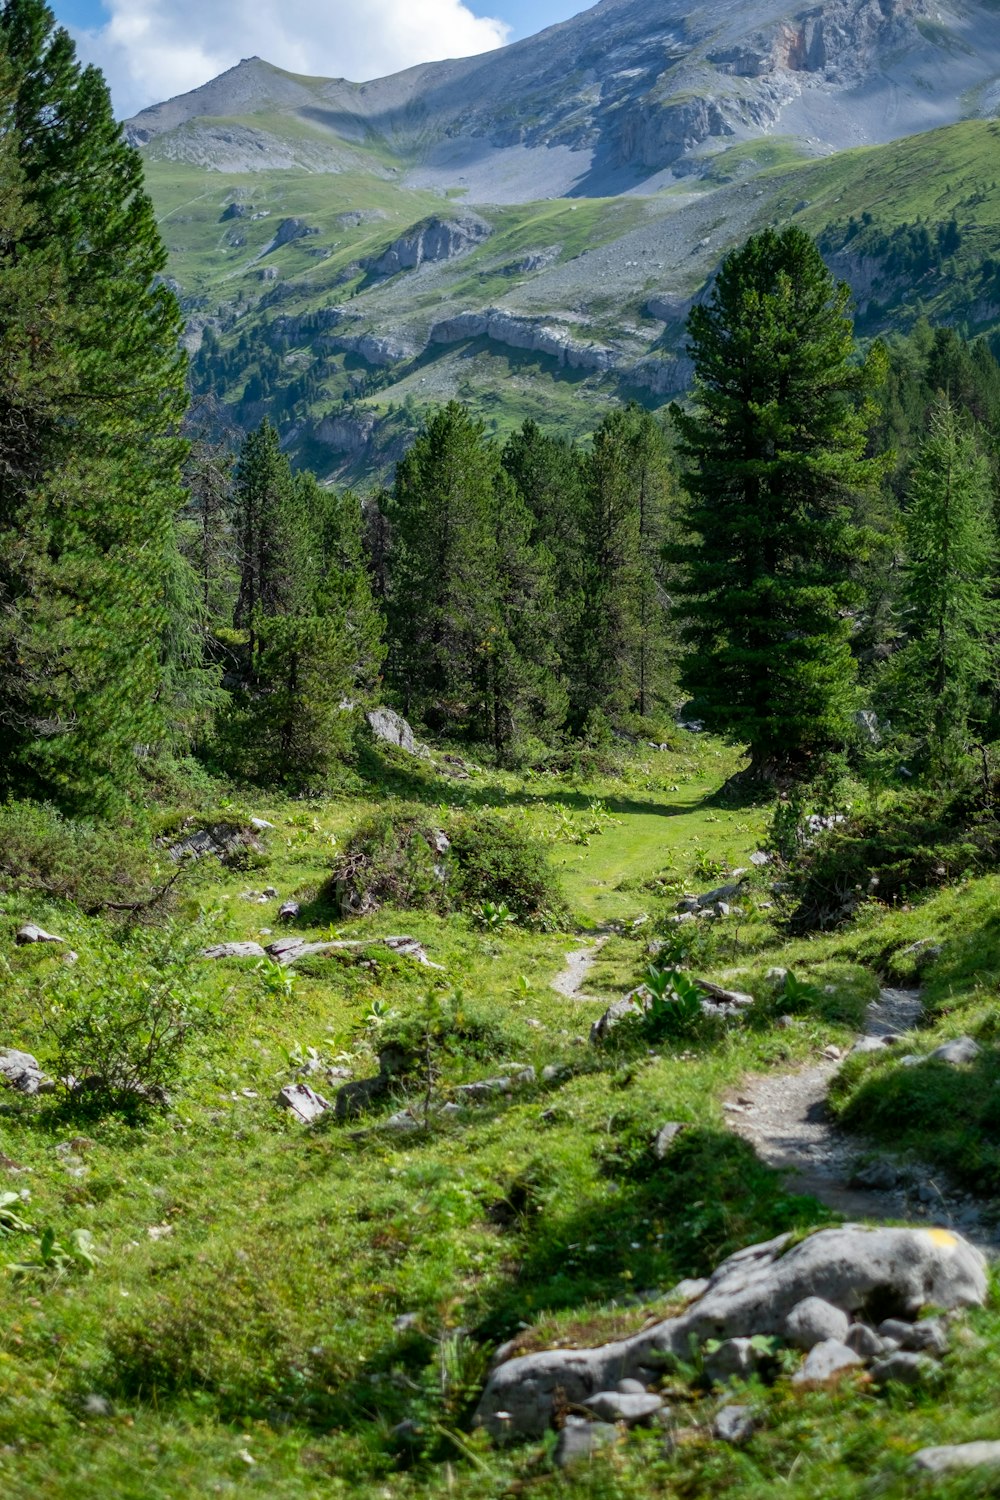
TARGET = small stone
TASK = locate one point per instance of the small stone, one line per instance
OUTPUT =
(903, 1368)
(812, 1320)
(489, 1087)
(826, 1362)
(579, 1440)
(303, 1102)
(957, 1456)
(957, 1052)
(734, 1424)
(665, 1139)
(833, 1053)
(864, 1341)
(612, 1406)
(689, 1290)
(870, 1044)
(879, 1176)
(630, 1388)
(288, 911)
(96, 1406)
(786, 1023)
(20, 1071)
(405, 1322)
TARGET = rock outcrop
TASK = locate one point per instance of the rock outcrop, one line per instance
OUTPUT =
(865, 1273)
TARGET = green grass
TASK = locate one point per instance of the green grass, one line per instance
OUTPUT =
(247, 1344)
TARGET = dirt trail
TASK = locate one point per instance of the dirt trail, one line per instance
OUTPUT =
(579, 963)
(787, 1120)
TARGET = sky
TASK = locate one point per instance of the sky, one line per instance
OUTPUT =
(151, 50)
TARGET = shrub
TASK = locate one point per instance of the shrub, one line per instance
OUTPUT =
(120, 1022)
(95, 865)
(398, 857)
(499, 864)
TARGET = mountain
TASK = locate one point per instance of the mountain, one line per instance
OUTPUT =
(526, 228)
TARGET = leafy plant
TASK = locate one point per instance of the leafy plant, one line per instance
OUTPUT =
(675, 1008)
(57, 1258)
(11, 1221)
(493, 916)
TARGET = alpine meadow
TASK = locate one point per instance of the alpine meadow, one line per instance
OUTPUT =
(500, 767)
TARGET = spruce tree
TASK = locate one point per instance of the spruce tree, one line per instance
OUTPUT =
(619, 655)
(937, 680)
(87, 637)
(774, 449)
(442, 580)
(278, 573)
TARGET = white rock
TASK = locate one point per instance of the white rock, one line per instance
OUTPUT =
(303, 1102)
(31, 933)
(825, 1362)
(863, 1340)
(812, 1320)
(234, 950)
(734, 1424)
(958, 1456)
(616, 1406)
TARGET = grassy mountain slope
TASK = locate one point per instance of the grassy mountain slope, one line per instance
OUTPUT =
(580, 302)
(239, 1334)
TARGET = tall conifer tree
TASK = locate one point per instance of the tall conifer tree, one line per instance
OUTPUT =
(775, 462)
(90, 628)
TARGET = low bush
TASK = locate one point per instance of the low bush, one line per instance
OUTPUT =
(497, 863)
(120, 1021)
(96, 865)
(473, 861)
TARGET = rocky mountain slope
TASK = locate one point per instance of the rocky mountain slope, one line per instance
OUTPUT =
(526, 229)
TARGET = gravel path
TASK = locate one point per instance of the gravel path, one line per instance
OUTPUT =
(571, 980)
(786, 1119)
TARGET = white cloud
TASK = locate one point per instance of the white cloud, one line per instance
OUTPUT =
(153, 49)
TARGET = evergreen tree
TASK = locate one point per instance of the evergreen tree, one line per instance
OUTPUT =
(620, 650)
(87, 628)
(951, 614)
(442, 575)
(278, 575)
(344, 590)
(774, 451)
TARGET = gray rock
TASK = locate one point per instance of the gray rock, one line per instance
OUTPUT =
(303, 1102)
(827, 1361)
(357, 1097)
(618, 1406)
(288, 911)
(666, 1138)
(579, 1440)
(734, 1424)
(403, 1122)
(689, 1289)
(957, 1052)
(631, 1388)
(812, 1320)
(689, 904)
(957, 1456)
(632, 1004)
(879, 1176)
(864, 1341)
(751, 1292)
(734, 1358)
(870, 1044)
(392, 729)
(20, 1071)
(720, 996)
(31, 933)
(721, 893)
(776, 977)
(489, 1088)
(926, 1337)
(903, 1368)
(234, 950)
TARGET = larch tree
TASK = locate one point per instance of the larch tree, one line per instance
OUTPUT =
(88, 631)
(774, 453)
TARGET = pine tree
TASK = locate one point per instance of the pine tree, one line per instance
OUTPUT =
(442, 584)
(774, 448)
(90, 629)
(344, 589)
(950, 609)
(278, 574)
(620, 648)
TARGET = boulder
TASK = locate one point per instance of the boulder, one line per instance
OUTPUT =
(720, 996)
(31, 933)
(958, 1456)
(957, 1052)
(666, 1138)
(392, 729)
(20, 1071)
(733, 1359)
(721, 893)
(631, 1407)
(858, 1269)
(921, 1338)
(489, 1088)
(303, 1102)
(813, 1320)
(825, 1362)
